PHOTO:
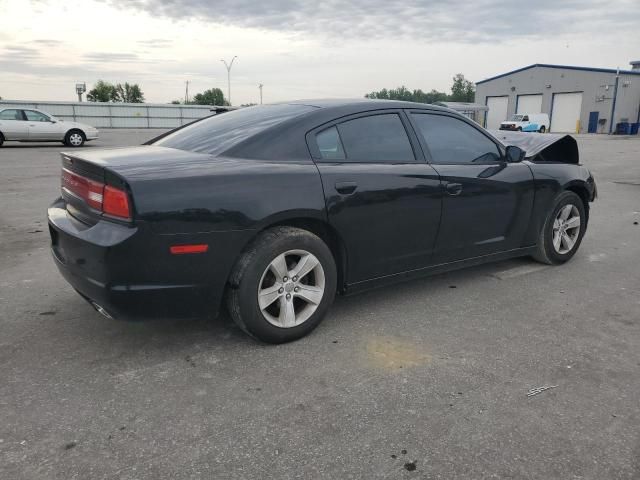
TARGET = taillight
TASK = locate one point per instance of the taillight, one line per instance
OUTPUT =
(104, 198)
(115, 202)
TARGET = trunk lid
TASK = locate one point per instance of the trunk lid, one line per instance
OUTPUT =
(88, 174)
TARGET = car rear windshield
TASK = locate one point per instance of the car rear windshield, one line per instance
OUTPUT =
(220, 132)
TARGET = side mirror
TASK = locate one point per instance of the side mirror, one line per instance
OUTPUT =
(515, 154)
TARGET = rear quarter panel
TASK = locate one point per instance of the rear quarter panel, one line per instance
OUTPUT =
(223, 202)
(225, 194)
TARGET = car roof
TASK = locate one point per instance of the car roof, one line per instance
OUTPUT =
(362, 103)
(287, 139)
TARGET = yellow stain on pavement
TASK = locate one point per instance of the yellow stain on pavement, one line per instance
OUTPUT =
(392, 353)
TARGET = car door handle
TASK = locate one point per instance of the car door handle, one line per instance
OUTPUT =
(346, 188)
(453, 188)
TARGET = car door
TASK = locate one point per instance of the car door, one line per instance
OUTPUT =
(487, 201)
(41, 127)
(12, 125)
(381, 196)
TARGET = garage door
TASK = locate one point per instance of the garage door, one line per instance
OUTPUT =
(565, 112)
(529, 104)
(497, 111)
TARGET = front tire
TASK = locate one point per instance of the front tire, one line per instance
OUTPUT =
(563, 230)
(519, 129)
(283, 285)
(74, 138)
(1, 139)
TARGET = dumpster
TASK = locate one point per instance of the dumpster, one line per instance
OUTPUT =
(623, 128)
(634, 128)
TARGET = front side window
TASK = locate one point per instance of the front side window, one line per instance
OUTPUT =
(376, 139)
(452, 141)
(34, 116)
(516, 118)
(10, 115)
(525, 118)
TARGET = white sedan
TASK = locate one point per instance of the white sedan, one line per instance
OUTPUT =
(31, 125)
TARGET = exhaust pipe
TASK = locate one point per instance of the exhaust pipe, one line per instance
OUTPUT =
(101, 310)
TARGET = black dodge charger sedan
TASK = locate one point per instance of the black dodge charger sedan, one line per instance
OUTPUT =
(276, 208)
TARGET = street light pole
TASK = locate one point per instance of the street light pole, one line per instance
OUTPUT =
(260, 87)
(228, 66)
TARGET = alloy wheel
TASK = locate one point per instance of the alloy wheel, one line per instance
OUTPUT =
(566, 229)
(291, 288)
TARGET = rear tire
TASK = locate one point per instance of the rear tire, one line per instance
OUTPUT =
(1, 139)
(563, 230)
(542, 129)
(283, 285)
(74, 138)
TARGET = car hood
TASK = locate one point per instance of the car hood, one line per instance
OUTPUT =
(547, 147)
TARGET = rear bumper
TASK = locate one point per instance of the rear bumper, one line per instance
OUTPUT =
(109, 265)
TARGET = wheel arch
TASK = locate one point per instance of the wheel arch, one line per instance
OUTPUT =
(583, 192)
(74, 129)
(325, 231)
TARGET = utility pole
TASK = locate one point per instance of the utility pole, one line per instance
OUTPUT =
(615, 98)
(228, 66)
(260, 87)
(186, 93)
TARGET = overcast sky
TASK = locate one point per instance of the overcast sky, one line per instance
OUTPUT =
(299, 49)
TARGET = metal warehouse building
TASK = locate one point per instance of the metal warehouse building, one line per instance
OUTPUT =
(577, 99)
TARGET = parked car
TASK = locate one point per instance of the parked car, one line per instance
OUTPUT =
(276, 208)
(528, 122)
(31, 125)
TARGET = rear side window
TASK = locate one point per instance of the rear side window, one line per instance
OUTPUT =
(330, 145)
(10, 115)
(220, 132)
(452, 141)
(376, 139)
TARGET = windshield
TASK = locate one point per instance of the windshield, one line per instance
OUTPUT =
(220, 132)
(516, 118)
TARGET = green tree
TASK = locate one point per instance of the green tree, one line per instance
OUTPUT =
(107, 92)
(175, 102)
(102, 92)
(435, 96)
(403, 93)
(213, 96)
(128, 93)
(462, 89)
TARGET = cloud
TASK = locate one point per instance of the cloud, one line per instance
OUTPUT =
(47, 42)
(155, 43)
(109, 57)
(17, 51)
(435, 20)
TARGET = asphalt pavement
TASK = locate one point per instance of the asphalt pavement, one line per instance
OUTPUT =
(425, 379)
